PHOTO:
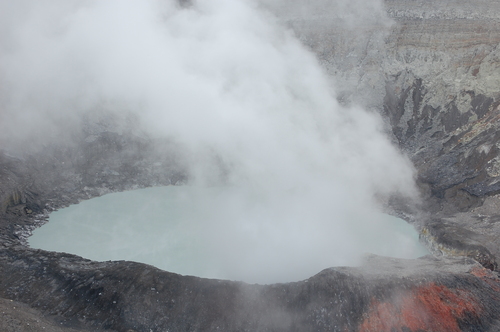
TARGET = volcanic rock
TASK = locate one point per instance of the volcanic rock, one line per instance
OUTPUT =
(432, 70)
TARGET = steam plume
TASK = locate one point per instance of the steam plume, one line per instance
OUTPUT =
(247, 102)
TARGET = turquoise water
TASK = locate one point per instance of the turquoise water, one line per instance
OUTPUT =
(219, 233)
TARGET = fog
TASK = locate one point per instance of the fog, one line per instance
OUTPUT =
(230, 84)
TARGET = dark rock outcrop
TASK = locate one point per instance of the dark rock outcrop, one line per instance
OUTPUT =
(385, 295)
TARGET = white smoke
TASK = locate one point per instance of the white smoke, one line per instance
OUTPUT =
(249, 104)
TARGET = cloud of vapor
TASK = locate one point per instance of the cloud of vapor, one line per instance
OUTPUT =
(249, 104)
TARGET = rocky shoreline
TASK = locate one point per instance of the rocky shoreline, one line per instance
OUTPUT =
(433, 74)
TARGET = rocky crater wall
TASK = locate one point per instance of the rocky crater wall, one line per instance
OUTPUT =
(432, 70)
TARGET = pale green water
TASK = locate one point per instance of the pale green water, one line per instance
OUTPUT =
(213, 232)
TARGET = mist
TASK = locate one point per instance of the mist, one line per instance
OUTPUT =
(248, 104)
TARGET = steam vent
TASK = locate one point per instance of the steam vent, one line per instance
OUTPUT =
(91, 103)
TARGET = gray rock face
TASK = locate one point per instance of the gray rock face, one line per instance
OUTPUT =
(431, 68)
(434, 74)
(124, 296)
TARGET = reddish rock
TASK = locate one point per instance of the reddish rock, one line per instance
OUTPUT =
(427, 308)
